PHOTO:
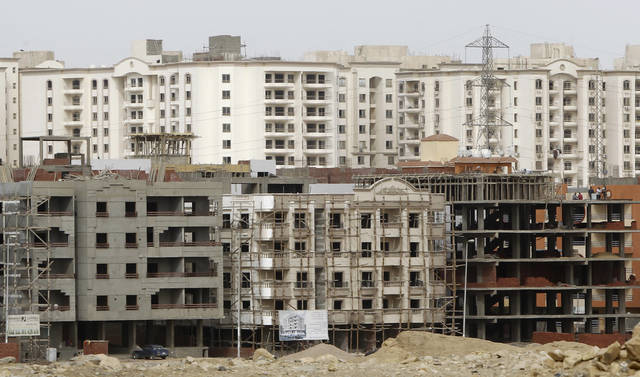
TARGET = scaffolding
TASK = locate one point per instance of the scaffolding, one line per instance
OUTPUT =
(26, 260)
(377, 267)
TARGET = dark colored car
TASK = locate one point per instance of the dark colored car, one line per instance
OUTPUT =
(150, 352)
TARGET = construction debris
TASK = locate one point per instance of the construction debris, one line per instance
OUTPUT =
(412, 353)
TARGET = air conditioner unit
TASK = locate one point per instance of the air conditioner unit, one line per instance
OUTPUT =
(469, 93)
(539, 124)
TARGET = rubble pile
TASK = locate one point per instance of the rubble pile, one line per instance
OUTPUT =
(410, 354)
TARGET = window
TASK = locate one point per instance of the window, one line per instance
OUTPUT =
(515, 85)
(389, 130)
(366, 279)
(226, 144)
(226, 111)
(414, 220)
(626, 85)
(105, 148)
(226, 127)
(337, 304)
(365, 248)
(299, 220)
(302, 305)
(362, 98)
(362, 129)
(341, 129)
(388, 114)
(389, 83)
(362, 83)
(388, 98)
(226, 94)
(49, 85)
(362, 114)
(538, 84)
(414, 248)
(538, 101)
(389, 144)
(226, 78)
(515, 117)
(102, 303)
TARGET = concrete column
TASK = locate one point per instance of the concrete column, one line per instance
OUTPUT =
(516, 331)
(482, 330)
(170, 337)
(608, 310)
(102, 334)
(479, 304)
(622, 309)
(200, 333)
(133, 342)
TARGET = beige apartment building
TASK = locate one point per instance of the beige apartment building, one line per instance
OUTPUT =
(374, 258)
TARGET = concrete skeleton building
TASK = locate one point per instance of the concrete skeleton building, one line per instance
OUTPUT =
(537, 261)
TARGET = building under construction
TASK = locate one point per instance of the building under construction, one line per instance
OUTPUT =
(374, 258)
(529, 260)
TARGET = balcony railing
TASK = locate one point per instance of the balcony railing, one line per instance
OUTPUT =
(131, 275)
(187, 244)
(58, 276)
(102, 308)
(131, 214)
(102, 245)
(179, 213)
(131, 307)
(131, 245)
(56, 213)
(184, 306)
(102, 214)
(179, 274)
(102, 276)
(58, 308)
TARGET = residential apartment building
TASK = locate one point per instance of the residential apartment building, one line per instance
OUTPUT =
(334, 109)
(374, 258)
(9, 110)
(116, 259)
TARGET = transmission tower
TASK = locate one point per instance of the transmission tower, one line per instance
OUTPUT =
(600, 157)
(488, 121)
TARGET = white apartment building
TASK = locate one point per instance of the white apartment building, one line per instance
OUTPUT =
(549, 100)
(9, 110)
(333, 109)
(296, 113)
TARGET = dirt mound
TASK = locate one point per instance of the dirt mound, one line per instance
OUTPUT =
(416, 343)
(320, 350)
(561, 345)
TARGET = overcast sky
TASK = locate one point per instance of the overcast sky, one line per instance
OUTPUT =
(89, 32)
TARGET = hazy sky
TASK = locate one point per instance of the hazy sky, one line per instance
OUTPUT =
(86, 32)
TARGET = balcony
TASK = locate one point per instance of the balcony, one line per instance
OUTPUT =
(102, 214)
(131, 245)
(133, 105)
(131, 276)
(102, 308)
(189, 244)
(316, 83)
(184, 306)
(152, 275)
(131, 307)
(102, 245)
(316, 115)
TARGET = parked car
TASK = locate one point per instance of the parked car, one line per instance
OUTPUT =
(150, 351)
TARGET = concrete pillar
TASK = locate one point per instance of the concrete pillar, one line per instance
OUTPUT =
(622, 309)
(102, 334)
(170, 337)
(608, 299)
(479, 304)
(200, 333)
(516, 331)
(131, 335)
(482, 330)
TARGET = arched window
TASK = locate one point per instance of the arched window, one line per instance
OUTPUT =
(626, 85)
(187, 78)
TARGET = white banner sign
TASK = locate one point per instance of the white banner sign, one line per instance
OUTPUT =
(303, 325)
(23, 325)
